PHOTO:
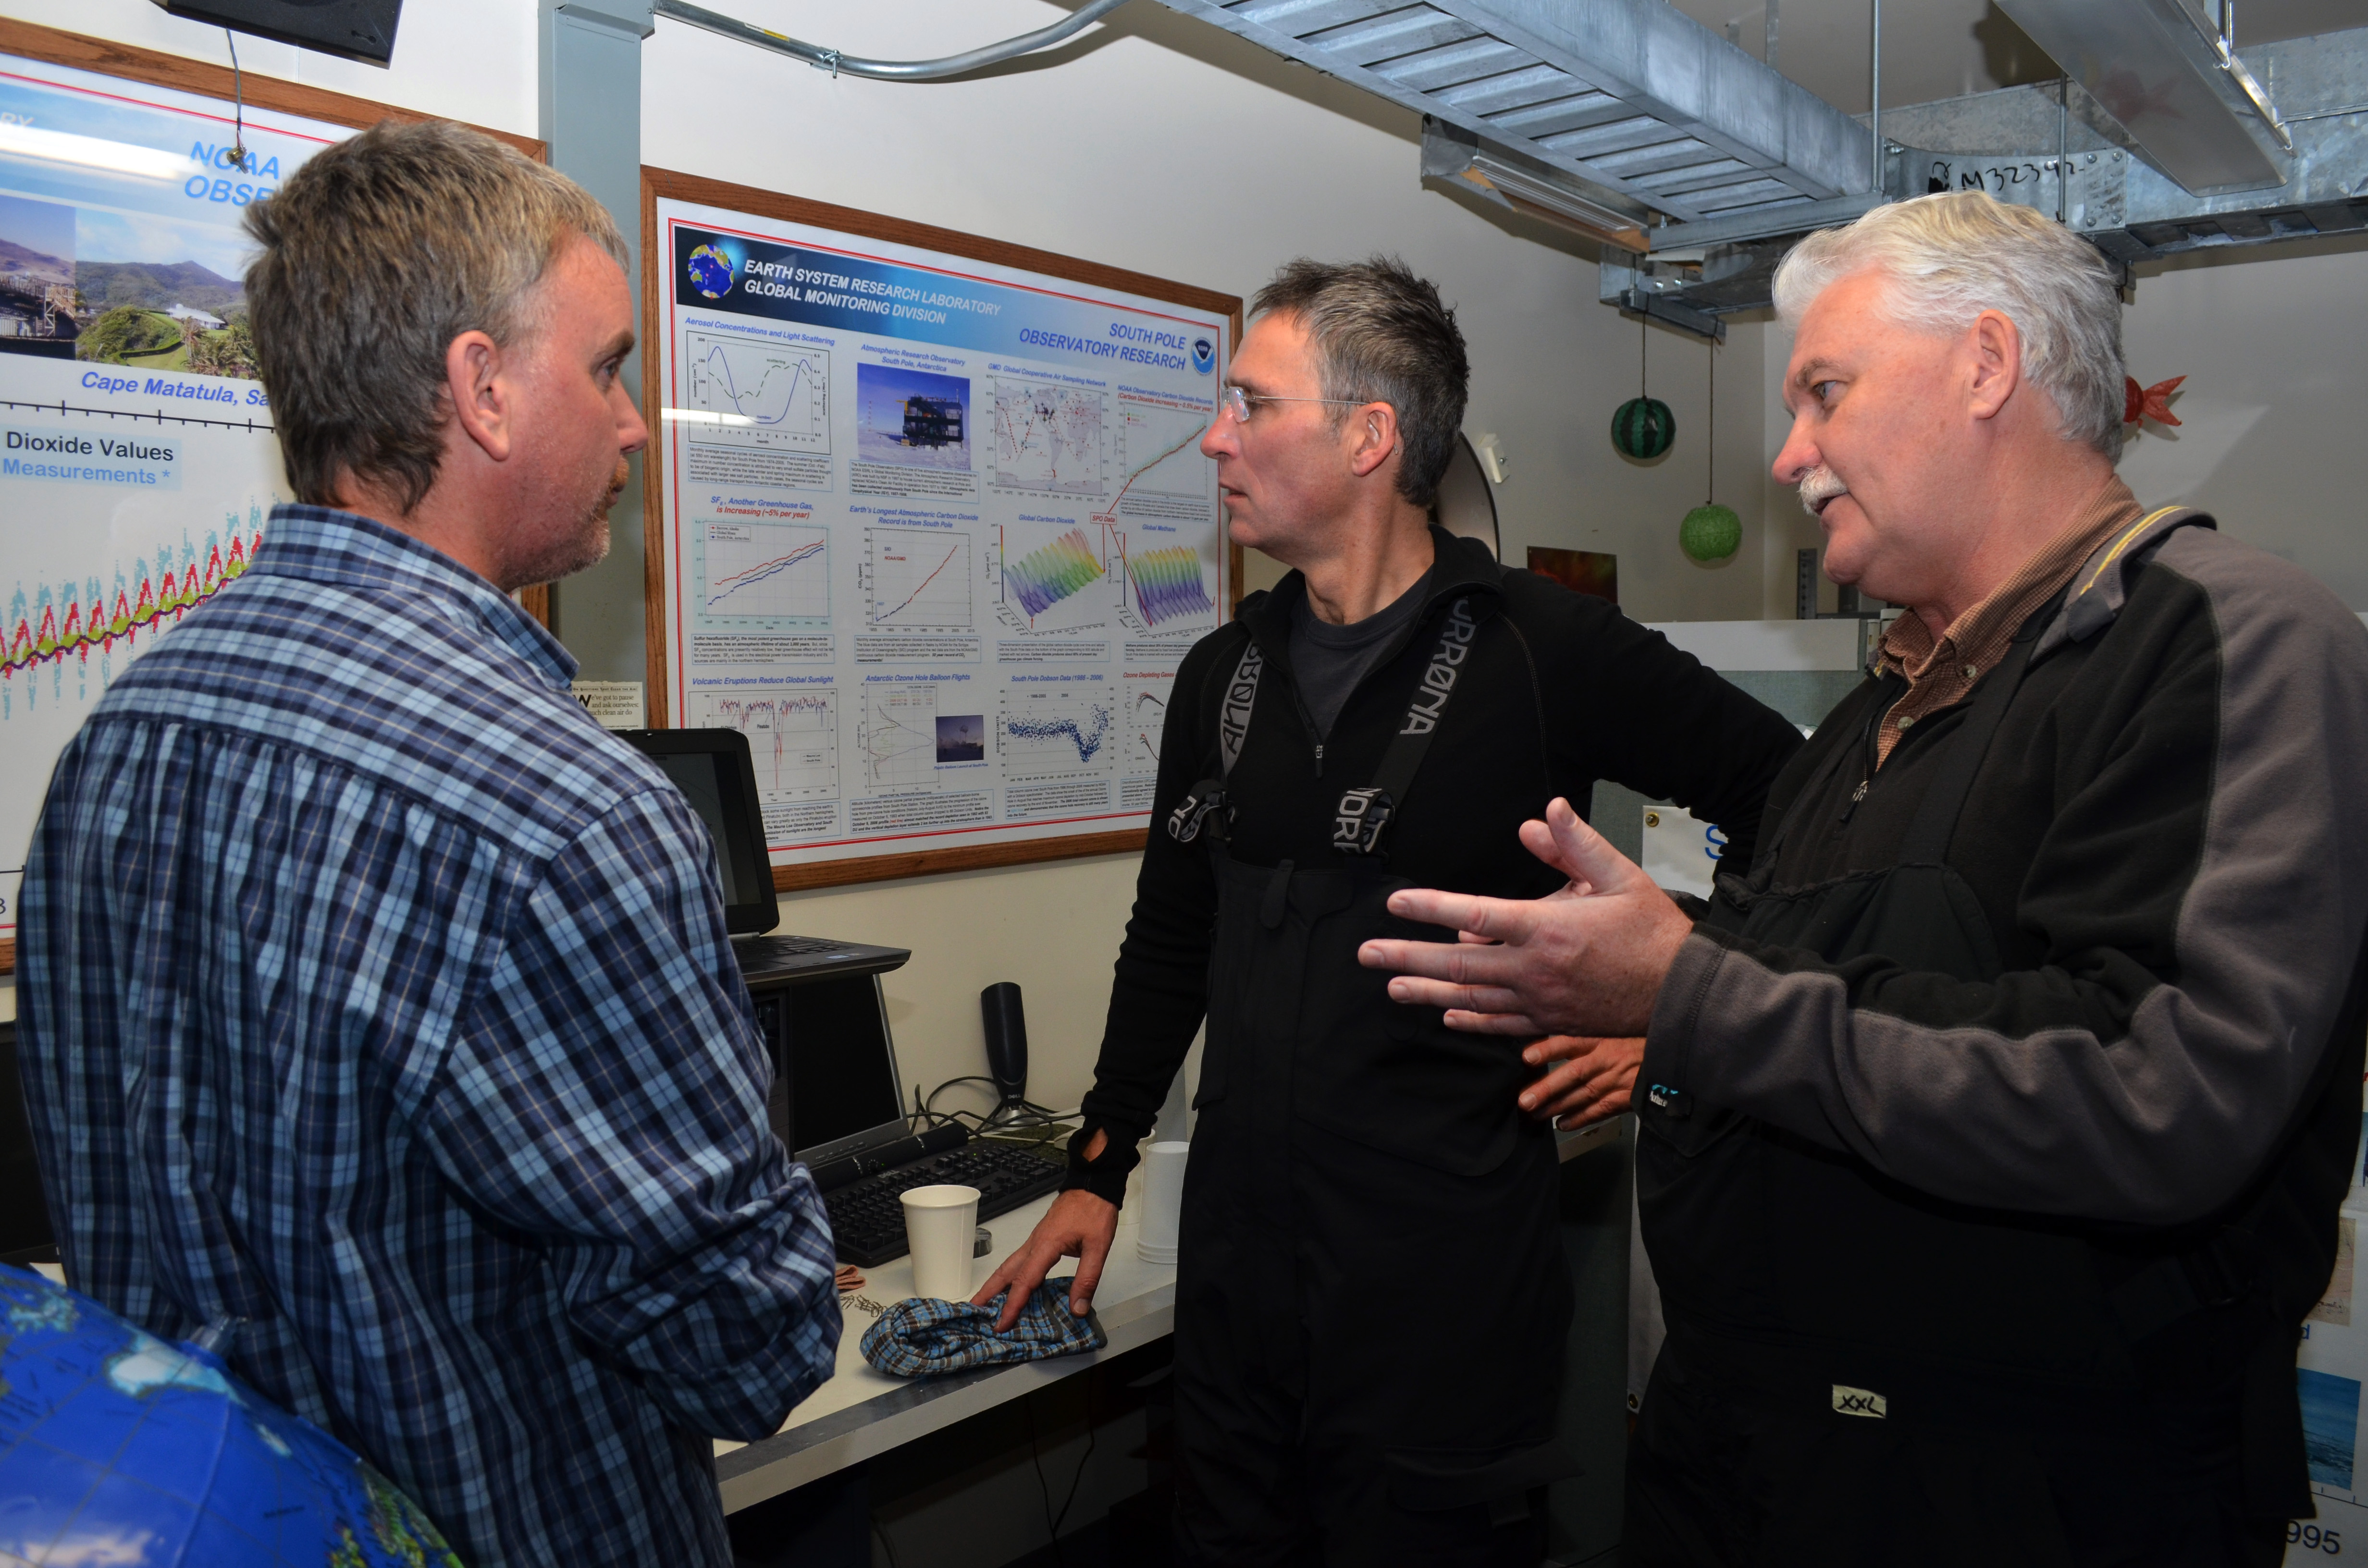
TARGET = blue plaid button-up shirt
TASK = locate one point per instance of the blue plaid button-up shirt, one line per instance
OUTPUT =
(372, 993)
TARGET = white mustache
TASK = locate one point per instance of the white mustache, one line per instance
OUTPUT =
(1818, 486)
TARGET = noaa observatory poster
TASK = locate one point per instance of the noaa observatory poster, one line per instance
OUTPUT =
(137, 457)
(935, 532)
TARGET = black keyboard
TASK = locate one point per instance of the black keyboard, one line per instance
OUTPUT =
(772, 949)
(867, 1217)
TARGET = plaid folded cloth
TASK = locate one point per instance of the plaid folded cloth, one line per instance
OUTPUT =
(922, 1337)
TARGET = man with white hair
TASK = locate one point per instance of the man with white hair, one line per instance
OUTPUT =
(1994, 1124)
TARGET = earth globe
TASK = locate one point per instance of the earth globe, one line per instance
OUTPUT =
(710, 272)
(120, 1448)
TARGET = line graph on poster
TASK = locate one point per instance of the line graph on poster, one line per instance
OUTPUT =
(792, 738)
(749, 392)
(1146, 719)
(917, 579)
(1159, 450)
(1056, 732)
(896, 740)
(761, 576)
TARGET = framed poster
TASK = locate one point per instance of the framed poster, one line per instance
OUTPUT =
(932, 526)
(137, 456)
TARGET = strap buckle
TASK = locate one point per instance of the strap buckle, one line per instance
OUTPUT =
(1192, 812)
(1357, 821)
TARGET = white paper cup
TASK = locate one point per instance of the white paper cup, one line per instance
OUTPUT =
(941, 1224)
(1163, 1200)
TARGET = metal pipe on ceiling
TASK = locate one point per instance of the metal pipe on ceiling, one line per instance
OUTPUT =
(840, 65)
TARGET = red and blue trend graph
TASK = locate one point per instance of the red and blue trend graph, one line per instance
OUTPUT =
(1167, 585)
(66, 622)
(725, 587)
(1044, 577)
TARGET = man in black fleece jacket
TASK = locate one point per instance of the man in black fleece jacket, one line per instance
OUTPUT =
(1372, 1300)
(1993, 1128)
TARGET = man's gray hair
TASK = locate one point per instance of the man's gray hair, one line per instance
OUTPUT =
(1953, 255)
(1381, 334)
(377, 253)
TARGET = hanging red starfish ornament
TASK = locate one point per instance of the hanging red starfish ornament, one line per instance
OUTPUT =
(2149, 403)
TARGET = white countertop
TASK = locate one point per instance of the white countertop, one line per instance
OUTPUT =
(860, 1412)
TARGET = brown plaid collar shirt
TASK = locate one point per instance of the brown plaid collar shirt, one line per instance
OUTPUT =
(1940, 672)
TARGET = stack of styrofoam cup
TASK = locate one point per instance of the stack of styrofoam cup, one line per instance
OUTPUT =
(1163, 1200)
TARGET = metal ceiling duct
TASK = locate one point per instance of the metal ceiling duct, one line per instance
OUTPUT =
(1627, 104)
(2168, 76)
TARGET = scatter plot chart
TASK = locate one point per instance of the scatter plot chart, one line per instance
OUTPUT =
(761, 576)
(1056, 733)
(897, 739)
(920, 579)
(1170, 586)
(1048, 573)
(1049, 437)
(793, 739)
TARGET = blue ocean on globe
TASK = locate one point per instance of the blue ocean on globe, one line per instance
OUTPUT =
(710, 272)
(119, 1449)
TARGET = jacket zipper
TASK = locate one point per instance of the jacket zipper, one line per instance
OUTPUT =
(1874, 729)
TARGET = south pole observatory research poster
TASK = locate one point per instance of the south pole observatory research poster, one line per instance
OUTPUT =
(936, 532)
(137, 456)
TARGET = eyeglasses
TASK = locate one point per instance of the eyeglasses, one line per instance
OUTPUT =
(1239, 403)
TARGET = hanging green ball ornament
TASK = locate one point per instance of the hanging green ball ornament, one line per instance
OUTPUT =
(1711, 533)
(1643, 427)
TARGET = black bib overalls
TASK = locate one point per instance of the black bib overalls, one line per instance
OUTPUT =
(1371, 1296)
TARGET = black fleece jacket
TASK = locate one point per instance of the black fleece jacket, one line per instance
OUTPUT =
(1560, 690)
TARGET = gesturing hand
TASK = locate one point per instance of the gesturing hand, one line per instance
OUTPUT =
(1585, 959)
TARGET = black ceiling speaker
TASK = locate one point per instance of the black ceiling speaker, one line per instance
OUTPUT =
(354, 29)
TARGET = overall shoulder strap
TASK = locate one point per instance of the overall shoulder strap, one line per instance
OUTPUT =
(1207, 798)
(1364, 812)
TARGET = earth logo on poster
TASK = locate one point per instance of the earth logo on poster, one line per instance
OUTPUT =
(1205, 355)
(710, 272)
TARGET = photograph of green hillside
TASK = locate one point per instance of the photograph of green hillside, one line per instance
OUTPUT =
(164, 316)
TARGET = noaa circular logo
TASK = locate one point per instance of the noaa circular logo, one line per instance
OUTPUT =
(710, 272)
(1205, 355)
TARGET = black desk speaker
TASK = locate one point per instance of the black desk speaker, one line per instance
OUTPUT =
(1007, 1040)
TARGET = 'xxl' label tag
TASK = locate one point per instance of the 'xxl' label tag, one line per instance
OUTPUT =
(1859, 1401)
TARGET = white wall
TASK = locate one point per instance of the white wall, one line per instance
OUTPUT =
(2274, 411)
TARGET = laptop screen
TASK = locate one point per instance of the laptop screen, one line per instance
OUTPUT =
(712, 769)
(846, 1093)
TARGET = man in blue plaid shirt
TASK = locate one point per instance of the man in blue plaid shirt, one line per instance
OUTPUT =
(371, 994)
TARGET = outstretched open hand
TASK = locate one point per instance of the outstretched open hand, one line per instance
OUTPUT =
(1585, 959)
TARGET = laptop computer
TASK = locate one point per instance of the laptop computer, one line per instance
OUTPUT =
(847, 1114)
(717, 774)
(837, 1099)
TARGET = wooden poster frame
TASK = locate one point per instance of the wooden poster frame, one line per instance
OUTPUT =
(666, 184)
(53, 46)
